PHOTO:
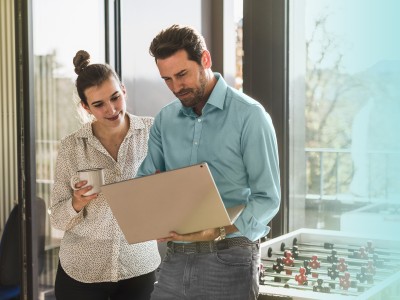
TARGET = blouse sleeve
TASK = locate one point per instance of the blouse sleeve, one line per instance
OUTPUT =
(62, 215)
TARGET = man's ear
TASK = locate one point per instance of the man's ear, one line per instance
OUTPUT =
(206, 59)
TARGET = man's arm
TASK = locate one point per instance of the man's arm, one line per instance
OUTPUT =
(154, 160)
(260, 156)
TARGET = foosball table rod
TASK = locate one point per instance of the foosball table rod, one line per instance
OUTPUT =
(353, 268)
(361, 253)
(314, 288)
(334, 258)
(301, 278)
(368, 247)
(357, 254)
(315, 272)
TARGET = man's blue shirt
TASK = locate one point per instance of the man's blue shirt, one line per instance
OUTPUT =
(236, 137)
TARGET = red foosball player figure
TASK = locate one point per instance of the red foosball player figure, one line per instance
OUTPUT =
(314, 264)
(288, 261)
(342, 266)
(345, 281)
(302, 277)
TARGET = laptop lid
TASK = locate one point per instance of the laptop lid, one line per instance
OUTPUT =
(184, 200)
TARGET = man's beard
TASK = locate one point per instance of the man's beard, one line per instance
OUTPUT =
(198, 94)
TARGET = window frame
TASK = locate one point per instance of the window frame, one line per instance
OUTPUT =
(265, 78)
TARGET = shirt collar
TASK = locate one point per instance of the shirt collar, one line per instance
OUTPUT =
(217, 97)
(134, 124)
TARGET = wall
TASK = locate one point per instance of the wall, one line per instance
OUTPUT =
(8, 112)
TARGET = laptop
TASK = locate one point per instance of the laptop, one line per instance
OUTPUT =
(184, 200)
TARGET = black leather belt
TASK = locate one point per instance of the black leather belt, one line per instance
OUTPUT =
(211, 246)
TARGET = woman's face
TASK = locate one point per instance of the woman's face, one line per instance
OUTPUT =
(106, 102)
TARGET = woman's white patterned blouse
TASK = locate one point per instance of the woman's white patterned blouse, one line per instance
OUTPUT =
(93, 248)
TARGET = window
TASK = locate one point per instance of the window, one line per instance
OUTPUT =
(147, 93)
(344, 98)
(60, 29)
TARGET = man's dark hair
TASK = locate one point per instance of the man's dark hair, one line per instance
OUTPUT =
(176, 38)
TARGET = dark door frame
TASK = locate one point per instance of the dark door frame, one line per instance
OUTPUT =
(265, 77)
(26, 148)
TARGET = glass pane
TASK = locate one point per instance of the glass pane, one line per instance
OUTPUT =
(238, 21)
(60, 29)
(347, 55)
(147, 93)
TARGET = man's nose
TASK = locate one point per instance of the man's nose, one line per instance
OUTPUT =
(176, 86)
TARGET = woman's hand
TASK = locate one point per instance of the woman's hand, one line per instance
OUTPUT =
(79, 201)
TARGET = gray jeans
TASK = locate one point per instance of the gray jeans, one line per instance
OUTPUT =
(227, 274)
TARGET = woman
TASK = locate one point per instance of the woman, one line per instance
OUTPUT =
(96, 262)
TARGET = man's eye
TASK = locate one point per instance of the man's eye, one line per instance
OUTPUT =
(98, 105)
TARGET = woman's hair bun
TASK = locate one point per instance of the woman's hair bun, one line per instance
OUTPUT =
(81, 61)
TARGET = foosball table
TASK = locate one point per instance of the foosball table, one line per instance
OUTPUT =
(324, 264)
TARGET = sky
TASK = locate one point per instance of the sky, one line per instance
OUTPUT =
(54, 29)
(366, 30)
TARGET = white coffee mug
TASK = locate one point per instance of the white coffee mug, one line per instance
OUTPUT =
(94, 177)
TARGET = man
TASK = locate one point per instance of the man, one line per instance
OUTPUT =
(214, 123)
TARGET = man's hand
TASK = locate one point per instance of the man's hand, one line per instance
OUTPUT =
(205, 235)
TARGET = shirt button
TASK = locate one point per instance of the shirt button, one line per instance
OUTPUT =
(199, 120)
(195, 143)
